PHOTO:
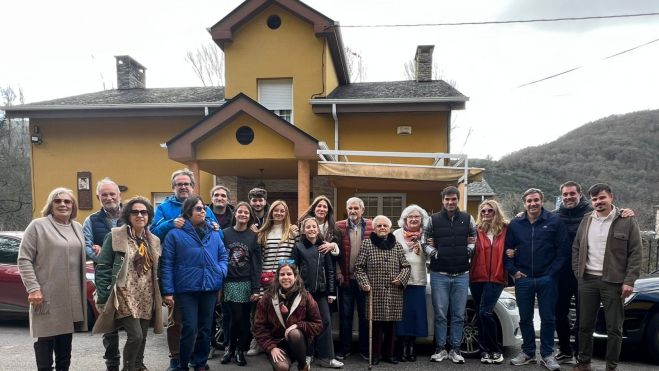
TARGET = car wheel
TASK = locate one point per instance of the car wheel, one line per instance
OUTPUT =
(91, 318)
(652, 339)
(470, 346)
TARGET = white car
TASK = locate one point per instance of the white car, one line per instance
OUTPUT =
(505, 312)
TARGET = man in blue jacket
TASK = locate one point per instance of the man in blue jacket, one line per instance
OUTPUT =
(542, 249)
(167, 217)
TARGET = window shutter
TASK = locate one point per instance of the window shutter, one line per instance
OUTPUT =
(276, 94)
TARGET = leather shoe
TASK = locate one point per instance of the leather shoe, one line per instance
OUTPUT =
(392, 360)
(226, 358)
(240, 358)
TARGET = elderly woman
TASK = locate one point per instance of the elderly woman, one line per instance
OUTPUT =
(286, 320)
(382, 272)
(412, 222)
(488, 276)
(51, 262)
(127, 291)
(194, 264)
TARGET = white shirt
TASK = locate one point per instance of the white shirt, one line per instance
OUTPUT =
(598, 233)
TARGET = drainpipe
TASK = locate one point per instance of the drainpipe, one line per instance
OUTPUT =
(336, 128)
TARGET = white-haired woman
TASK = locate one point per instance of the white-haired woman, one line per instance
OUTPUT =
(382, 271)
(414, 324)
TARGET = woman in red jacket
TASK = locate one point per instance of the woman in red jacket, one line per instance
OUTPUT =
(488, 275)
(287, 319)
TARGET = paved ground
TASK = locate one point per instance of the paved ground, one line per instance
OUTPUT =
(16, 353)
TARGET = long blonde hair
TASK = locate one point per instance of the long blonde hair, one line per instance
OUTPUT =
(286, 233)
(499, 222)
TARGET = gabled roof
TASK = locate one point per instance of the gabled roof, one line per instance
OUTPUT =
(222, 31)
(182, 146)
(481, 188)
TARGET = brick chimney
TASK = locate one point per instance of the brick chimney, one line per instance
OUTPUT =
(423, 62)
(130, 73)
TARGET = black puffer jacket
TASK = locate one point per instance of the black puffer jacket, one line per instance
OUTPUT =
(316, 269)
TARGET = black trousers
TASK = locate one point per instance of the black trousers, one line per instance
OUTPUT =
(60, 345)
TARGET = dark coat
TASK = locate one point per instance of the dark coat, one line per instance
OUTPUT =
(316, 269)
(380, 262)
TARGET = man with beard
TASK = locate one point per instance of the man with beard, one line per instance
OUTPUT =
(354, 230)
(95, 227)
(258, 200)
(221, 205)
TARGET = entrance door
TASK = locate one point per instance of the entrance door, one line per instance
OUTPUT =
(291, 200)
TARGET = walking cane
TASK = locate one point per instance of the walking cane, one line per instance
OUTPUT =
(370, 329)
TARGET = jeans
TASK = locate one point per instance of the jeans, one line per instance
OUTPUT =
(592, 290)
(449, 296)
(111, 344)
(136, 330)
(486, 295)
(567, 288)
(347, 298)
(196, 319)
(526, 289)
(322, 345)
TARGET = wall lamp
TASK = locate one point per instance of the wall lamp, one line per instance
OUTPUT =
(36, 137)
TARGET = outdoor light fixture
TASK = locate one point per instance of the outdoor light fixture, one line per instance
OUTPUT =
(261, 184)
(404, 130)
(36, 136)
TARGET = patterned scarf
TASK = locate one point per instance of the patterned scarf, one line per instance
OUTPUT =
(142, 261)
(413, 239)
(286, 298)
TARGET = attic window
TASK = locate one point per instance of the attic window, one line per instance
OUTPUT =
(244, 135)
(274, 22)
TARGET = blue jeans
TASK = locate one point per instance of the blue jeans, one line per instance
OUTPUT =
(486, 295)
(196, 318)
(526, 289)
(449, 296)
(347, 298)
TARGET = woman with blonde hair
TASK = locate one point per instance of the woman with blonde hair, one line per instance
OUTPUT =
(276, 238)
(51, 262)
(488, 275)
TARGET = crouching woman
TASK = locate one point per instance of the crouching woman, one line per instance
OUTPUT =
(286, 320)
(127, 292)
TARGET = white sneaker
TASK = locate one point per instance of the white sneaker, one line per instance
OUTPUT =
(332, 363)
(439, 355)
(455, 356)
(522, 359)
(254, 348)
(550, 363)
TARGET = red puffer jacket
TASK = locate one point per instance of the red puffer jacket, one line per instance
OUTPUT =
(487, 263)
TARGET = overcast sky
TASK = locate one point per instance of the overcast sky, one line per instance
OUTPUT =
(57, 49)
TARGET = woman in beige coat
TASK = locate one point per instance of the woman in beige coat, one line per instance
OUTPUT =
(127, 292)
(51, 261)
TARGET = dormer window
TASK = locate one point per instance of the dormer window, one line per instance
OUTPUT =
(277, 96)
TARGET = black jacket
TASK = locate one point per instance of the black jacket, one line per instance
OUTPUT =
(316, 269)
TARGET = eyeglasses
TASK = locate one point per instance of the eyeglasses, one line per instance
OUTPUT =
(286, 262)
(382, 226)
(414, 217)
(487, 211)
(199, 209)
(62, 201)
(181, 185)
(139, 212)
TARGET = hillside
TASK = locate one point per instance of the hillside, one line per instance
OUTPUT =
(622, 150)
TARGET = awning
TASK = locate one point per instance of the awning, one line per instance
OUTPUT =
(394, 176)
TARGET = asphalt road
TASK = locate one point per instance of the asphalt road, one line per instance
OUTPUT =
(16, 353)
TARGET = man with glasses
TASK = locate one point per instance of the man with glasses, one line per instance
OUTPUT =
(167, 217)
(450, 238)
(94, 228)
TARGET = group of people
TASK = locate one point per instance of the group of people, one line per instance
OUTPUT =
(276, 281)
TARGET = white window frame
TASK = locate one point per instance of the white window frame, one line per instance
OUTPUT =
(380, 196)
(280, 101)
(159, 197)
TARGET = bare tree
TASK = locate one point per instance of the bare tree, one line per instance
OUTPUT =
(208, 64)
(409, 70)
(355, 64)
(16, 197)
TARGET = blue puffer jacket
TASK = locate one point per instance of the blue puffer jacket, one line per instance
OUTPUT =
(166, 212)
(192, 264)
(541, 248)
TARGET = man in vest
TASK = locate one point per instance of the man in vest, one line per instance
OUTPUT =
(542, 249)
(95, 227)
(450, 238)
(354, 230)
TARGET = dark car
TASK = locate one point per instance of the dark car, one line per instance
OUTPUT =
(641, 325)
(13, 297)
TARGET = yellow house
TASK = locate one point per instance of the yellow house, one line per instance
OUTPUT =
(288, 118)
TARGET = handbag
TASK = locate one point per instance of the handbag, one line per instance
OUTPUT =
(267, 278)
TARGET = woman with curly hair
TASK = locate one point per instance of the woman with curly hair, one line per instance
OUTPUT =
(286, 320)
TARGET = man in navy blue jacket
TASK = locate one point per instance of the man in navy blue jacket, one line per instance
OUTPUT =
(541, 245)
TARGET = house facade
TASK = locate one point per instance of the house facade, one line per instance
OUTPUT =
(287, 118)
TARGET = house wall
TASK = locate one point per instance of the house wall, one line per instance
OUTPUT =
(126, 150)
(291, 51)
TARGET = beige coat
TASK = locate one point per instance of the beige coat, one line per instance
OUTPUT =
(43, 265)
(106, 321)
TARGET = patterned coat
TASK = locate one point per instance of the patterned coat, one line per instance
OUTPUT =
(380, 262)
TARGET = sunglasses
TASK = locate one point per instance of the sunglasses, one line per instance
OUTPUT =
(286, 262)
(139, 212)
(487, 211)
(199, 209)
(62, 201)
(180, 185)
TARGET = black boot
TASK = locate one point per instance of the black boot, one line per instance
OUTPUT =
(240, 358)
(43, 351)
(401, 349)
(63, 352)
(411, 349)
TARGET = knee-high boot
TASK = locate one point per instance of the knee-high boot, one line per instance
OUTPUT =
(411, 349)
(63, 352)
(43, 352)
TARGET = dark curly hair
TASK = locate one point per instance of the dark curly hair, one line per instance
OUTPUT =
(125, 211)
